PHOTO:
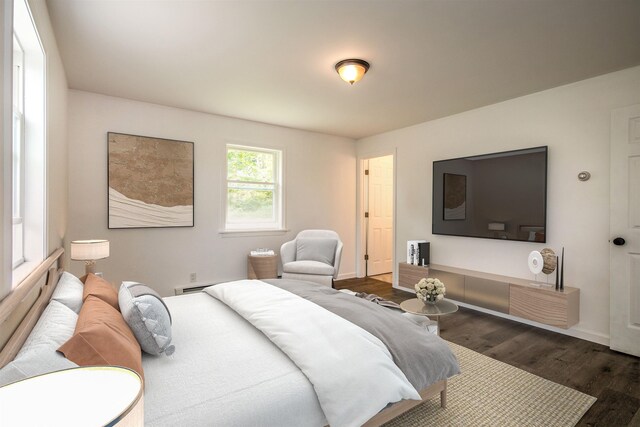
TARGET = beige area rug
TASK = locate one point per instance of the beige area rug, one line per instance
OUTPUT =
(492, 393)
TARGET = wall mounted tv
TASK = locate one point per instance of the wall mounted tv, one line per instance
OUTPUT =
(493, 196)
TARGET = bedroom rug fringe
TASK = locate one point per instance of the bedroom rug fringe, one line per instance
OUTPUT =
(493, 393)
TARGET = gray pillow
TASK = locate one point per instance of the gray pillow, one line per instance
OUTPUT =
(147, 316)
(69, 291)
(316, 249)
(38, 355)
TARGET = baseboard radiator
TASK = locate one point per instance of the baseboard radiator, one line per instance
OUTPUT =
(192, 289)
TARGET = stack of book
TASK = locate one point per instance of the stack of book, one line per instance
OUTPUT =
(413, 251)
(262, 252)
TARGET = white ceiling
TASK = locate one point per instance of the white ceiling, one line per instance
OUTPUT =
(272, 61)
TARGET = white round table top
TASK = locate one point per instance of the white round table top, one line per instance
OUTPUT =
(440, 308)
(84, 396)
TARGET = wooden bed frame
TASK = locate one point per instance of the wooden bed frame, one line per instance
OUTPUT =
(22, 307)
(403, 406)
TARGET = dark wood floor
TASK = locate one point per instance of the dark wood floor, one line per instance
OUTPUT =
(613, 378)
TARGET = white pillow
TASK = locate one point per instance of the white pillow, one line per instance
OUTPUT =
(69, 292)
(316, 249)
(38, 354)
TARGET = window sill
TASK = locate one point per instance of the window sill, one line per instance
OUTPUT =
(250, 233)
(19, 273)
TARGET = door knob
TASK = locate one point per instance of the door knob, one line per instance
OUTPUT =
(619, 241)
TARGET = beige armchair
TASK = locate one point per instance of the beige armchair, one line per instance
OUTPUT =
(314, 256)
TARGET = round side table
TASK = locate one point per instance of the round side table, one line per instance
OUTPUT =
(85, 396)
(440, 308)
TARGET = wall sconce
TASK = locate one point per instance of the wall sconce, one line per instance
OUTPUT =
(89, 251)
(352, 70)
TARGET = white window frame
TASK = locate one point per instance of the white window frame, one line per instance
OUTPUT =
(278, 198)
(17, 150)
(31, 185)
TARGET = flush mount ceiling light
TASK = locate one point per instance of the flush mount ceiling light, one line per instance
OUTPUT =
(352, 70)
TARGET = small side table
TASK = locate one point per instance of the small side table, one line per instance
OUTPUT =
(440, 308)
(84, 396)
(262, 267)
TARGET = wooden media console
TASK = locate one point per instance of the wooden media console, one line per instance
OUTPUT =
(518, 297)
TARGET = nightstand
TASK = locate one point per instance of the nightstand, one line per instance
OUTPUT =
(262, 266)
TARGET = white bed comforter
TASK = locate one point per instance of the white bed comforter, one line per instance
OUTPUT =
(324, 346)
(224, 373)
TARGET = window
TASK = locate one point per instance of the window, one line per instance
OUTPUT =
(28, 148)
(254, 189)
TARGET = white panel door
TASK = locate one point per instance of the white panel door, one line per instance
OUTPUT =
(625, 231)
(380, 224)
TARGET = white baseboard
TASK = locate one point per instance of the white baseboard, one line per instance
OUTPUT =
(343, 276)
(575, 332)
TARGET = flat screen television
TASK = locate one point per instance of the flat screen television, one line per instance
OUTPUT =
(492, 196)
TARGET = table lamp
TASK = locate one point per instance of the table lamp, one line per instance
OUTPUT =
(89, 251)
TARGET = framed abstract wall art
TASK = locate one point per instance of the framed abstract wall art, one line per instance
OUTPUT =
(150, 182)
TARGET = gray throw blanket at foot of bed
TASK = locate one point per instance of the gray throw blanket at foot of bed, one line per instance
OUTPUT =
(378, 300)
(423, 357)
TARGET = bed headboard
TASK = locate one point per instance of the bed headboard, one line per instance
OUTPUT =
(22, 307)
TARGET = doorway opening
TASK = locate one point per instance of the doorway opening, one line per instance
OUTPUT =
(378, 218)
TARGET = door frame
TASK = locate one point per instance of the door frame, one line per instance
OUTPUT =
(361, 224)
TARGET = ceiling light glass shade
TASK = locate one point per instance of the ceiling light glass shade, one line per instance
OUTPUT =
(352, 70)
(89, 250)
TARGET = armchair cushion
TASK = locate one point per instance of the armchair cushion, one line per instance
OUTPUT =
(308, 267)
(316, 249)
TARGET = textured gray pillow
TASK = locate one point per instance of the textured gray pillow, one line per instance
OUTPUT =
(316, 249)
(38, 355)
(147, 316)
(69, 292)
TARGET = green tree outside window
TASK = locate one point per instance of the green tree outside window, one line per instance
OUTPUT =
(252, 187)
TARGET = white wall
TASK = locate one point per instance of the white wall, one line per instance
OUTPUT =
(574, 122)
(56, 132)
(319, 190)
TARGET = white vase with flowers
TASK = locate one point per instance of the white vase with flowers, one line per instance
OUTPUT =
(429, 290)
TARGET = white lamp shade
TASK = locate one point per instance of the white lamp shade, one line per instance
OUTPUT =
(83, 396)
(89, 250)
